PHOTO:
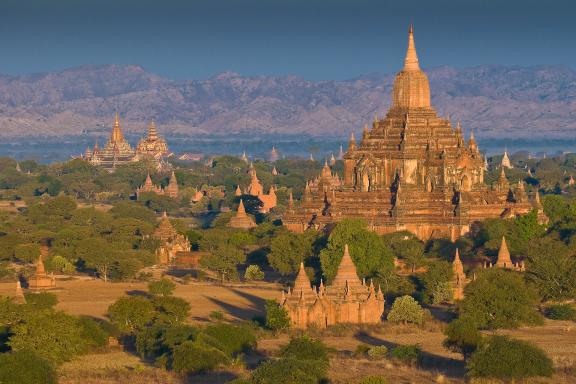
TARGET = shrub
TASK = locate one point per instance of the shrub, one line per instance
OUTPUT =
(362, 350)
(378, 352)
(216, 316)
(231, 339)
(253, 272)
(373, 380)
(189, 357)
(561, 312)
(170, 309)
(131, 313)
(26, 367)
(505, 358)
(406, 353)
(276, 317)
(286, 371)
(41, 300)
(162, 287)
(406, 310)
(306, 348)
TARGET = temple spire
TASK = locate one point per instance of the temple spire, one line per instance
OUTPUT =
(346, 274)
(241, 209)
(503, 255)
(116, 131)
(411, 60)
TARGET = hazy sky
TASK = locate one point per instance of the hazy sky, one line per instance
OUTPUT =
(316, 39)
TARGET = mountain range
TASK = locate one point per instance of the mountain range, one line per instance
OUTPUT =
(494, 101)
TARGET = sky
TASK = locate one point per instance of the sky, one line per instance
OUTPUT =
(314, 39)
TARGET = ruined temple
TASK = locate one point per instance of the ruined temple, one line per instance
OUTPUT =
(411, 170)
(347, 300)
(40, 280)
(171, 190)
(172, 243)
(256, 189)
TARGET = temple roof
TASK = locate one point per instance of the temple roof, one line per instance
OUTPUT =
(346, 274)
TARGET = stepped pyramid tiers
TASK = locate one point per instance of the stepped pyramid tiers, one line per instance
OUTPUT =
(256, 189)
(241, 220)
(152, 145)
(171, 190)
(117, 150)
(412, 170)
(459, 281)
(172, 243)
(347, 300)
(40, 279)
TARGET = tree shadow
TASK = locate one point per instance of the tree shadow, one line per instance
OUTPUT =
(447, 366)
(137, 292)
(241, 313)
(214, 377)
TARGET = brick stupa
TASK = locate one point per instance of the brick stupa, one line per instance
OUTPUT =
(40, 280)
(241, 220)
(172, 243)
(347, 300)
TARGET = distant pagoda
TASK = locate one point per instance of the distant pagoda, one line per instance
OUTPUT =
(152, 145)
(117, 150)
(411, 171)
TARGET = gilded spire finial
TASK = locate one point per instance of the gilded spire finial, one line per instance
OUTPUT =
(411, 60)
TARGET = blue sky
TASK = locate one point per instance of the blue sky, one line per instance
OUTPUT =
(315, 39)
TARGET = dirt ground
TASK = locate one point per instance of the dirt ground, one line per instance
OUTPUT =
(243, 302)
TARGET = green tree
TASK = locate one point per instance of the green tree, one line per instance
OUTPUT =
(131, 313)
(288, 250)
(55, 336)
(406, 310)
(190, 357)
(462, 336)
(253, 272)
(223, 256)
(276, 317)
(170, 310)
(367, 249)
(162, 287)
(505, 358)
(26, 367)
(551, 269)
(436, 281)
(96, 253)
(499, 299)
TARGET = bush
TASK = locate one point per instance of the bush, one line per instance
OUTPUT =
(378, 352)
(131, 313)
(41, 300)
(362, 350)
(406, 353)
(406, 310)
(373, 380)
(306, 348)
(561, 312)
(189, 357)
(505, 358)
(286, 371)
(163, 287)
(170, 309)
(216, 316)
(231, 339)
(276, 317)
(253, 272)
(26, 367)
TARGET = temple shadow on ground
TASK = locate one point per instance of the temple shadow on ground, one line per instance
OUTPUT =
(428, 361)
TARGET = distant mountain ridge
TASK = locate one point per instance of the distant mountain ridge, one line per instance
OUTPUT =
(495, 101)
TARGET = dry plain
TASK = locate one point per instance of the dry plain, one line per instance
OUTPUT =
(242, 302)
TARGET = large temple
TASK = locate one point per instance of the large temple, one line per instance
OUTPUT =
(118, 151)
(411, 171)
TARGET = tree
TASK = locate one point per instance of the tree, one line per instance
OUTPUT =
(436, 281)
(190, 357)
(170, 310)
(128, 209)
(96, 253)
(276, 317)
(253, 272)
(499, 299)
(41, 300)
(26, 367)
(288, 250)
(406, 310)
(162, 287)
(131, 313)
(55, 336)
(223, 257)
(462, 336)
(505, 358)
(367, 249)
(551, 269)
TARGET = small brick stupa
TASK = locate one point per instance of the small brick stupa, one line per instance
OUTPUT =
(241, 220)
(347, 300)
(459, 280)
(171, 242)
(40, 279)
